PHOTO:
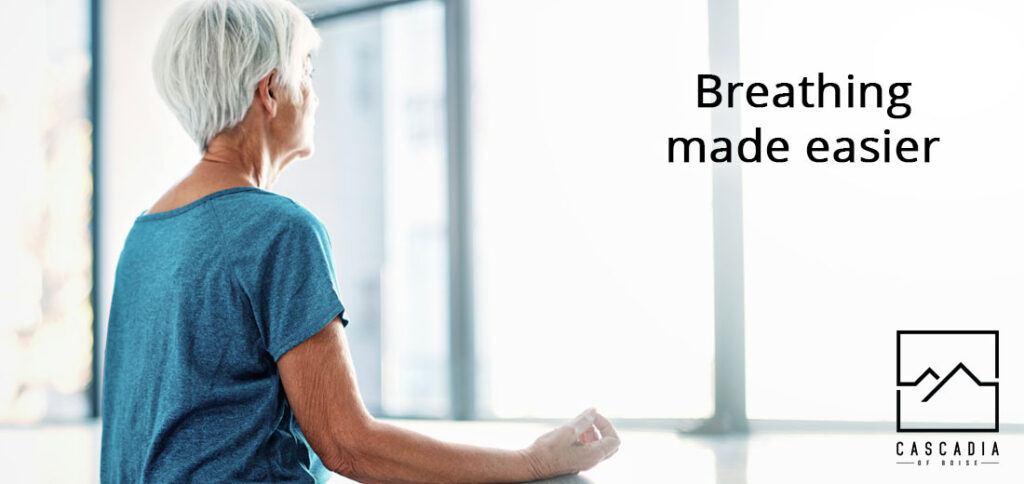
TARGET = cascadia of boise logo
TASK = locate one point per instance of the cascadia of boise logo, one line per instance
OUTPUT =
(947, 381)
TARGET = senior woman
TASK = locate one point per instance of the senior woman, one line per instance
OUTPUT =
(226, 357)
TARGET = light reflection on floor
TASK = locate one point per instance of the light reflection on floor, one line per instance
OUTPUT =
(69, 453)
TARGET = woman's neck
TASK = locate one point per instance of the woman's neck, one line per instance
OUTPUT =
(245, 159)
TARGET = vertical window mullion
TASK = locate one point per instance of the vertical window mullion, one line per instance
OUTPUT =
(727, 206)
(462, 345)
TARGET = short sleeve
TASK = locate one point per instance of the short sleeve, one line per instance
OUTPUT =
(291, 282)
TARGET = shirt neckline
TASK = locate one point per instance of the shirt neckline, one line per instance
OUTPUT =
(145, 217)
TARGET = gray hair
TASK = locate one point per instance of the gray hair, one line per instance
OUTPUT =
(212, 54)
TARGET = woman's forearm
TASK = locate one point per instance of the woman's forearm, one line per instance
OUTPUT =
(388, 453)
(319, 381)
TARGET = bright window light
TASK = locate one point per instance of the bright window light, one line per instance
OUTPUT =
(840, 255)
(593, 256)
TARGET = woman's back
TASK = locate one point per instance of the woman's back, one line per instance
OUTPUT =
(207, 297)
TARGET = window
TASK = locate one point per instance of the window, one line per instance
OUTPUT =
(593, 267)
(592, 264)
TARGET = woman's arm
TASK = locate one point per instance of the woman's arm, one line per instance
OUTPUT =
(320, 383)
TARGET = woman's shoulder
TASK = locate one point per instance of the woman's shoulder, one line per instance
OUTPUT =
(264, 231)
(255, 212)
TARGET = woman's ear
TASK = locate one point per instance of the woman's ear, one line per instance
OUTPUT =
(265, 93)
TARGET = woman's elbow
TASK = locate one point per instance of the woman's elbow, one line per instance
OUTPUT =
(346, 452)
(340, 461)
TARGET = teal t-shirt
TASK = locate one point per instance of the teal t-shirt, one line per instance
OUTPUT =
(206, 298)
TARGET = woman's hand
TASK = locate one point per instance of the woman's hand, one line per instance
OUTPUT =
(576, 446)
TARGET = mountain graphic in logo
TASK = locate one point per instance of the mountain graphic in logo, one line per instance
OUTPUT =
(965, 399)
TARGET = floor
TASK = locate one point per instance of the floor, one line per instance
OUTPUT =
(69, 453)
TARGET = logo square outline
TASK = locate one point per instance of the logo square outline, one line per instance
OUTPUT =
(899, 382)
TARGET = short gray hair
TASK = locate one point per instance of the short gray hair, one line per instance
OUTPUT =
(212, 54)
